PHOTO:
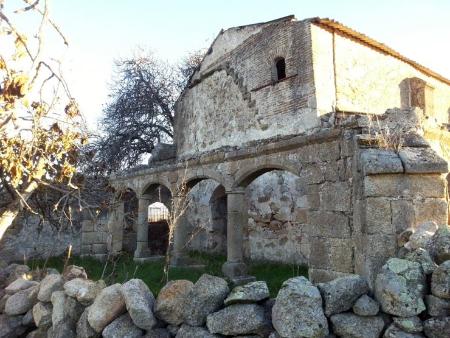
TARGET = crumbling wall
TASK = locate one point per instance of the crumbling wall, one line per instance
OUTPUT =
(277, 210)
(31, 237)
(277, 224)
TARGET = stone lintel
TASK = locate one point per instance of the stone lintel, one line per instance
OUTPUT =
(422, 161)
(380, 161)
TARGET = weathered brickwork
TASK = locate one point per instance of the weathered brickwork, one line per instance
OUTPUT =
(237, 93)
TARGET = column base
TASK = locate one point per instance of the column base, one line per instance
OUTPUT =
(148, 259)
(234, 269)
(141, 252)
(184, 261)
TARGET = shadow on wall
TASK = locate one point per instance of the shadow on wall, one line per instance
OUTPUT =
(130, 207)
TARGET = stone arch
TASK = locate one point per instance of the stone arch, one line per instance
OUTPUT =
(218, 208)
(192, 178)
(154, 184)
(198, 230)
(152, 236)
(246, 175)
(279, 68)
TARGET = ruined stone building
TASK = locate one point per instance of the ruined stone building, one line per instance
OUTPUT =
(299, 141)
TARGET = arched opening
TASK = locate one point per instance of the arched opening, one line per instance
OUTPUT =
(218, 209)
(158, 234)
(206, 214)
(280, 68)
(159, 199)
(277, 228)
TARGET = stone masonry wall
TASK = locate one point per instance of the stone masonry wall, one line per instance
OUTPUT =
(298, 219)
(277, 229)
(94, 238)
(31, 237)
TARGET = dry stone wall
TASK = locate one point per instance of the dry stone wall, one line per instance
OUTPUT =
(410, 298)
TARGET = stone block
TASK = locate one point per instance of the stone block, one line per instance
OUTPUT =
(382, 245)
(91, 237)
(378, 216)
(316, 275)
(403, 215)
(313, 196)
(331, 254)
(312, 174)
(398, 185)
(347, 147)
(422, 160)
(431, 209)
(380, 161)
(341, 255)
(301, 216)
(335, 196)
(86, 249)
(331, 170)
(99, 248)
(87, 225)
(329, 224)
(328, 151)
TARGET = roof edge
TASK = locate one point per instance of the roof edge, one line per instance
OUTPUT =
(282, 19)
(336, 26)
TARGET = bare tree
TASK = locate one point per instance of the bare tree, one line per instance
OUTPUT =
(41, 129)
(141, 109)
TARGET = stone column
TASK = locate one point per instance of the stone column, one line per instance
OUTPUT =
(236, 220)
(181, 233)
(142, 228)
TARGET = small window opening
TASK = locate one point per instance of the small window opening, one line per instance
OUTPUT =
(280, 65)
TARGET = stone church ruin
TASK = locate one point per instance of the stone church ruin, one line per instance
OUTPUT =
(299, 141)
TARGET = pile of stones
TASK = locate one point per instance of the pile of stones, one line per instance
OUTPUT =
(410, 299)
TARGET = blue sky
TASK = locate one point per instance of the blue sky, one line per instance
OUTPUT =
(100, 31)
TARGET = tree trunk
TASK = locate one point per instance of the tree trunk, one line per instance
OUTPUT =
(9, 214)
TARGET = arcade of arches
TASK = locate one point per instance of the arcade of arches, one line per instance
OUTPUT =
(329, 201)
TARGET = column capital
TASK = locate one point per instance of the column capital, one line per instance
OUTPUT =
(145, 197)
(236, 191)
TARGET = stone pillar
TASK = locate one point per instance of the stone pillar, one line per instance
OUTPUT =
(142, 228)
(115, 229)
(181, 233)
(397, 191)
(236, 220)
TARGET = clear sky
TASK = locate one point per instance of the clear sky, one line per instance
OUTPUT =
(101, 30)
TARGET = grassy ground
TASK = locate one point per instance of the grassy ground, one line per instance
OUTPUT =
(123, 268)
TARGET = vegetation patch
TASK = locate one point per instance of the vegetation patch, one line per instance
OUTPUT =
(123, 268)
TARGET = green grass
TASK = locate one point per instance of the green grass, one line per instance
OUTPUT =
(123, 268)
